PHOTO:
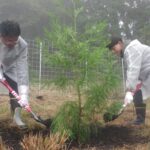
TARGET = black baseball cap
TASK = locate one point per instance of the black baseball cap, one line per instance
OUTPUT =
(113, 41)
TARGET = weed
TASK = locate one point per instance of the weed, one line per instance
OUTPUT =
(38, 142)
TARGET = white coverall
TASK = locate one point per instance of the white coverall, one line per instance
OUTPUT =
(137, 59)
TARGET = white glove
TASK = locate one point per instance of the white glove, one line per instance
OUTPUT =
(23, 92)
(128, 98)
(23, 101)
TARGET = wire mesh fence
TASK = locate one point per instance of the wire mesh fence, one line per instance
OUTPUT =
(39, 71)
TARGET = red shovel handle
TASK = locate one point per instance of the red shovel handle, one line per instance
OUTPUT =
(27, 108)
(5, 83)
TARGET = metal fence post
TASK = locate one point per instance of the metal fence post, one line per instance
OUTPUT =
(40, 67)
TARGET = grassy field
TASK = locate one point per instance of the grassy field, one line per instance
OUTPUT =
(115, 135)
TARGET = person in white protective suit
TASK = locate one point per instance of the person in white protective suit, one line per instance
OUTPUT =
(136, 58)
(14, 66)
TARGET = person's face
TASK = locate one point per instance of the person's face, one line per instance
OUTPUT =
(117, 48)
(10, 42)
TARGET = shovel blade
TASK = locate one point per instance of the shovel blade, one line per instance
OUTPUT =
(38, 119)
(107, 117)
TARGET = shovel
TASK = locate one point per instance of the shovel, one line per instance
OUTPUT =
(112, 116)
(46, 122)
(108, 116)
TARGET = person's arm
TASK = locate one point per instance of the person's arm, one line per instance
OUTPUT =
(1, 73)
(23, 76)
(133, 60)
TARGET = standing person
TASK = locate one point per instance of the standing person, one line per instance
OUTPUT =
(137, 61)
(14, 66)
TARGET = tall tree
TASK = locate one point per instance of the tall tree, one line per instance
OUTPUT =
(125, 17)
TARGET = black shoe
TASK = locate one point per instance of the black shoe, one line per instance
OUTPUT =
(136, 122)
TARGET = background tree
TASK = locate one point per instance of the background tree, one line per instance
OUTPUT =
(125, 17)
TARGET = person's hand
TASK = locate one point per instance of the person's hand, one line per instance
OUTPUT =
(23, 101)
(128, 98)
(138, 87)
(23, 92)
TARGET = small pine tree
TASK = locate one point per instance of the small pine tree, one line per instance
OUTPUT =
(85, 64)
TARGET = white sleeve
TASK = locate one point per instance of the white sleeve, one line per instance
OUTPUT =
(22, 74)
(133, 60)
(23, 92)
(1, 73)
(22, 68)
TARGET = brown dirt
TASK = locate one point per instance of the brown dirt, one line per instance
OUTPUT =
(111, 138)
(11, 135)
(119, 135)
(115, 135)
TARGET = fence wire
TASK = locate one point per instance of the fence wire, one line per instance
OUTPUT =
(40, 71)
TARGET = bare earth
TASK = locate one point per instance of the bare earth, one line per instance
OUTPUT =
(116, 135)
